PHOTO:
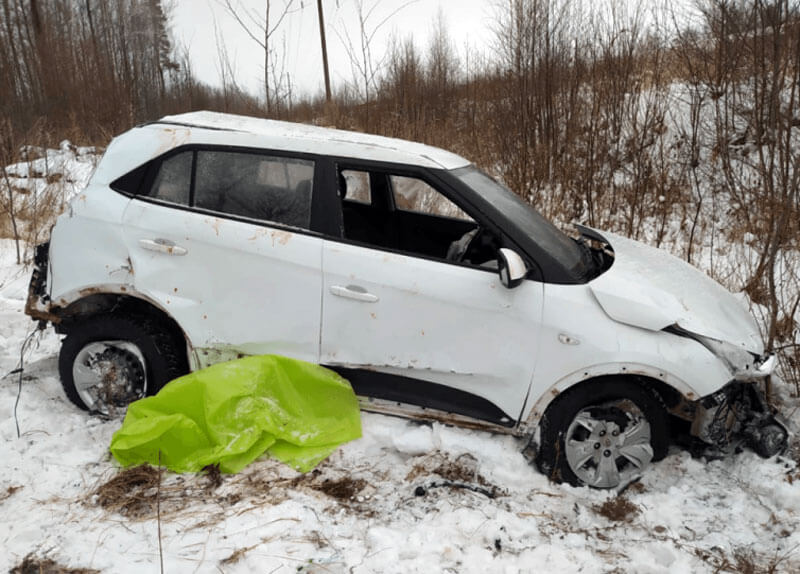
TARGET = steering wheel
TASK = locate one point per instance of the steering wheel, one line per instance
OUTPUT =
(460, 247)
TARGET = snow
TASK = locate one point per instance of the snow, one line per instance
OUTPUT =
(689, 515)
(43, 183)
(320, 140)
(72, 164)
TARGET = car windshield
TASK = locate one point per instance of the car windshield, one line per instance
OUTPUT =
(553, 241)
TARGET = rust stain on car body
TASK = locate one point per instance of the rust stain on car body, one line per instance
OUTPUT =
(282, 237)
(214, 223)
(89, 291)
(40, 314)
(171, 138)
(259, 233)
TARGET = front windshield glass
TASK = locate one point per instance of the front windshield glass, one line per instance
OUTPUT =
(546, 235)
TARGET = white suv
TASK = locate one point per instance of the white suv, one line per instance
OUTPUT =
(437, 292)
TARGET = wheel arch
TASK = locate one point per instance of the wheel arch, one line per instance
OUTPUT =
(670, 390)
(95, 303)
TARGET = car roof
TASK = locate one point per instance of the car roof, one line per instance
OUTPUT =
(273, 134)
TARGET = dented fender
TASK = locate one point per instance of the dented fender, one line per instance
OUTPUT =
(579, 343)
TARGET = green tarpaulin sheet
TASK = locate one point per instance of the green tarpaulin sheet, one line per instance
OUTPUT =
(231, 413)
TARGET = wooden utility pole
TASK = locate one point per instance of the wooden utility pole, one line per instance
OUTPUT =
(324, 53)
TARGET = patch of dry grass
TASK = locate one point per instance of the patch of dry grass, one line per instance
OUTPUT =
(617, 509)
(34, 565)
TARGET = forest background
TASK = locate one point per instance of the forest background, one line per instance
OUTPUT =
(681, 130)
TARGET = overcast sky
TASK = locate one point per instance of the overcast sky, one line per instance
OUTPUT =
(469, 22)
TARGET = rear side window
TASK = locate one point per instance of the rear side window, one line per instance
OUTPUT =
(174, 178)
(255, 186)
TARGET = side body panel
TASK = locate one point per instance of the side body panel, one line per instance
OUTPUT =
(430, 320)
(234, 287)
(579, 342)
(87, 250)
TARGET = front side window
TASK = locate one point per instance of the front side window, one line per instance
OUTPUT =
(255, 186)
(412, 194)
(405, 213)
(354, 186)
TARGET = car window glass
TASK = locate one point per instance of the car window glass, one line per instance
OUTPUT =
(256, 186)
(174, 179)
(412, 194)
(355, 186)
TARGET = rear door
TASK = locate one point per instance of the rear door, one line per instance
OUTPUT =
(221, 241)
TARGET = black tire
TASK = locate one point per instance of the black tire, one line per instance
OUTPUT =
(164, 355)
(596, 396)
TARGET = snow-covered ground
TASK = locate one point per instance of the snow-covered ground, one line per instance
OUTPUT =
(363, 509)
(379, 504)
(42, 185)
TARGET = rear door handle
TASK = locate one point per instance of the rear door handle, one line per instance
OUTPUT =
(162, 246)
(354, 292)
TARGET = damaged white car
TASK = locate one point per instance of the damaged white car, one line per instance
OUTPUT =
(434, 290)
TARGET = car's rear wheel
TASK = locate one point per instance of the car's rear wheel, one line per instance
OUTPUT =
(107, 362)
(604, 434)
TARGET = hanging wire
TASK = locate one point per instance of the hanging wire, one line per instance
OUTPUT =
(20, 370)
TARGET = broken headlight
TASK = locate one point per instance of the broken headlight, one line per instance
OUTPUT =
(743, 365)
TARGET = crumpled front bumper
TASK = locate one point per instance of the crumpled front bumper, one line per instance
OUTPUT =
(739, 415)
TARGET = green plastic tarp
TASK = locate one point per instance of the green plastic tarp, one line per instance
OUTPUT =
(231, 413)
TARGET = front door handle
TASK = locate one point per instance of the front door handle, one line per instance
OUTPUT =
(354, 292)
(162, 246)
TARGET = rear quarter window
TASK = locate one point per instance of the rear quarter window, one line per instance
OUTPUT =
(173, 180)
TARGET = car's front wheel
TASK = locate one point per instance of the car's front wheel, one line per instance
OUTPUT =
(107, 361)
(603, 434)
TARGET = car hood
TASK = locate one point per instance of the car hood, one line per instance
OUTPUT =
(649, 288)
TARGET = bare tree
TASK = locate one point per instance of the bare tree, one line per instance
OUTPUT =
(364, 65)
(442, 63)
(261, 30)
(8, 204)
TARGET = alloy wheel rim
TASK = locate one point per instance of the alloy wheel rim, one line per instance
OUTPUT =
(609, 445)
(108, 375)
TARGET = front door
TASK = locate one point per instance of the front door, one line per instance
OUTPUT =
(424, 319)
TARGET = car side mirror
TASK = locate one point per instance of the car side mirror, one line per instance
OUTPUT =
(511, 267)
